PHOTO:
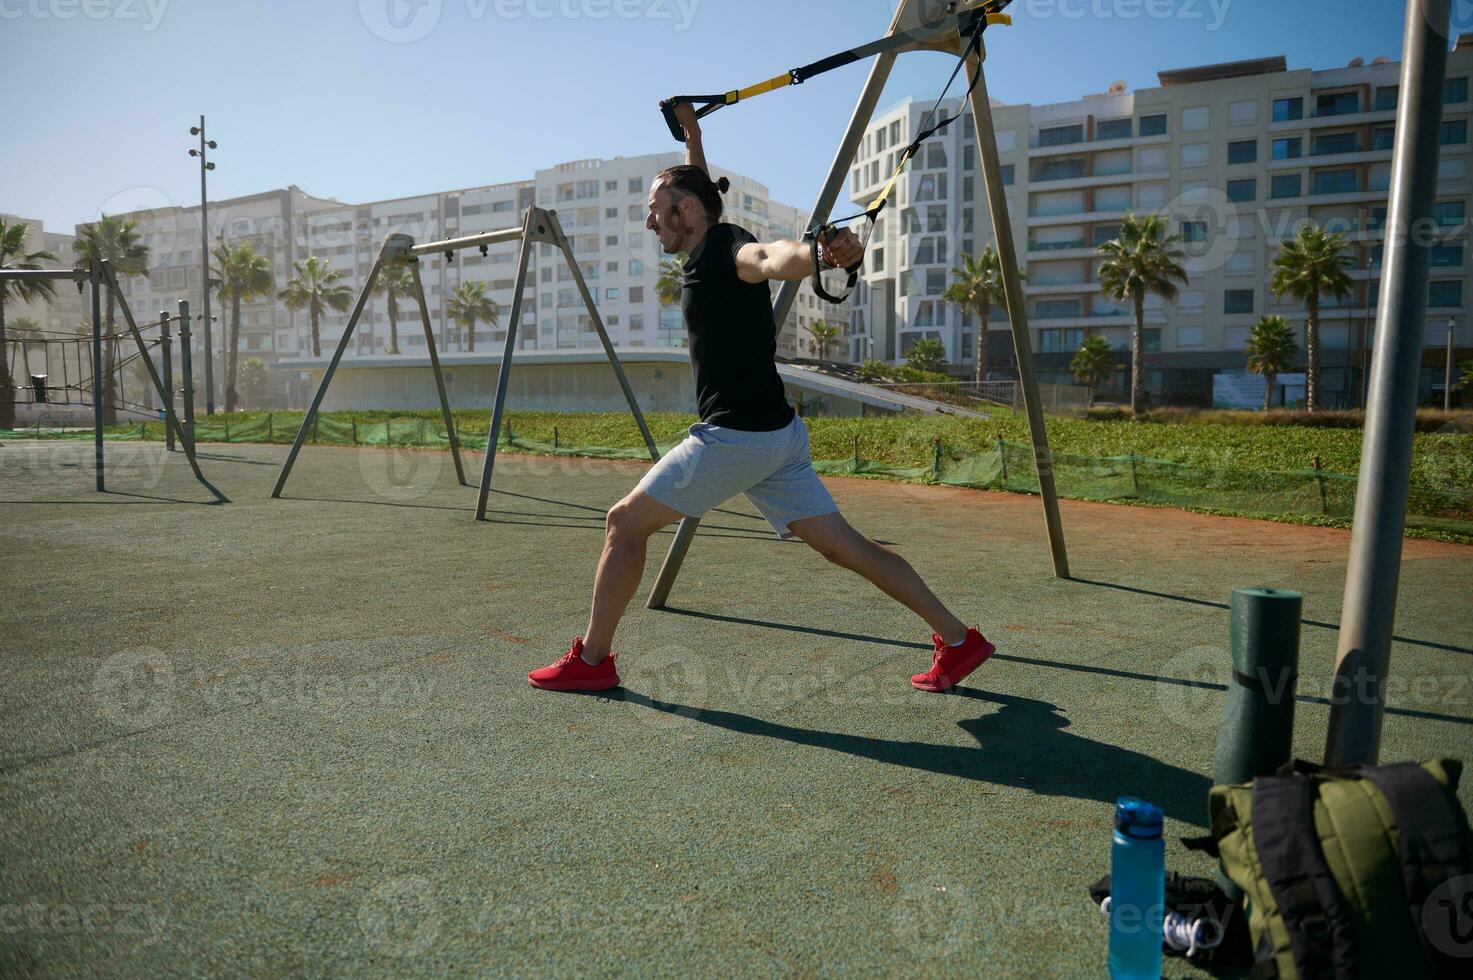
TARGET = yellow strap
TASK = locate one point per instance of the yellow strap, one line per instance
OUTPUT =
(775, 82)
(890, 184)
(1006, 20)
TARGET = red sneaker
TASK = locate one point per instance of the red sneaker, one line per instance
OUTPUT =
(950, 664)
(573, 673)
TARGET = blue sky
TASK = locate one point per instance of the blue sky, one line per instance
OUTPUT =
(343, 98)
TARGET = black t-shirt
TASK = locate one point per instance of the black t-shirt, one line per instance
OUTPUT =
(733, 338)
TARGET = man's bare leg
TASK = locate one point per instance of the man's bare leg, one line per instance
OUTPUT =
(626, 531)
(833, 537)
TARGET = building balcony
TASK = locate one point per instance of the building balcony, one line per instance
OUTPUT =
(1076, 217)
(1326, 159)
(1349, 119)
(1058, 288)
(1064, 149)
(1044, 253)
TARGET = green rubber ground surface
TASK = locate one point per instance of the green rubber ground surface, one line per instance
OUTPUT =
(294, 736)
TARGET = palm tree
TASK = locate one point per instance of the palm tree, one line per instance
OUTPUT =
(116, 241)
(14, 256)
(976, 286)
(671, 281)
(824, 335)
(469, 305)
(317, 287)
(1308, 266)
(1466, 380)
(927, 354)
(393, 280)
(253, 381)
(1270, 350)
(1093, 363)
(1144, 260)
(245, 274)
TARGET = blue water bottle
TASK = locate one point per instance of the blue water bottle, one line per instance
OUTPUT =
(1137, 891)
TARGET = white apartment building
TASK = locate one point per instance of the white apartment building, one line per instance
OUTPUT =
(1238, 155)
(600, 203)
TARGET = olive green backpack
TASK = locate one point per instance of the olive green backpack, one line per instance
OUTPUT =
(1355, 872)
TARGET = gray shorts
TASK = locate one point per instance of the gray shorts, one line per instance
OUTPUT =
(716, 463)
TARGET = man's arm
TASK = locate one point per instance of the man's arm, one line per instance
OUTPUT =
(787, 260)
(695, 153)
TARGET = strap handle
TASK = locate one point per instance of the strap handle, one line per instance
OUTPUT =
(825, 233)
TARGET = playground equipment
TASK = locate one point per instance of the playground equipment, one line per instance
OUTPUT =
(538, 226)
(99, 275)
(955, 28)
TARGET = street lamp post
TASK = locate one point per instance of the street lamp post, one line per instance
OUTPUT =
(204, 227)
(1447, 377)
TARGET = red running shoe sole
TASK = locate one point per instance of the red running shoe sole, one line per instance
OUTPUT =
(960, 674)
(602, 684)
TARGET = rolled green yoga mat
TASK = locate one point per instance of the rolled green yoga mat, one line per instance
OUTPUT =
(1257, 732)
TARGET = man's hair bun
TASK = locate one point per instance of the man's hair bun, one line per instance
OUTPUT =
(723, 185)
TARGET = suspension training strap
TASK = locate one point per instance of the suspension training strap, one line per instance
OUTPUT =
(984, 12)
(871, 213)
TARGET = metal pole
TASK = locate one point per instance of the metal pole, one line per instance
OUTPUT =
(505, 374)
(1002, 231)
(1369, 606)
(603, 336)
(1447, 375)
(204, 234)
(424, 316)
(167, 343)
(186, 370)
(94, 273)
(859, 120)
(337, 356)
(1365, 328)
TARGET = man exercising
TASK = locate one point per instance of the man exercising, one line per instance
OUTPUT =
(748, 440)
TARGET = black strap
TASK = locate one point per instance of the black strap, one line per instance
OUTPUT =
(812, 238)
(1431, 840)
(1321, 932)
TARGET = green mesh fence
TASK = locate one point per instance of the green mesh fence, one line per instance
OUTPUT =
(1307, 495)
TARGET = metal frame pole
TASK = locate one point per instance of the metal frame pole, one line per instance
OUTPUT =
(204, 231)
(94, 275)
(186, 370)
(603, 336)
(1447, 369)
(504, 375)
(828, 195)
(166, 345)
(337, 356)
(424, 316)
(1369, 606)
(153, 375)
(1007, 256)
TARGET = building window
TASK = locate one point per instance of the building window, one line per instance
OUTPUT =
(1385, 98)
(636, 267)
(636, 294)
(1286, 109)
(1383, 137)
(1335, 181)
(1455, 90)
(1243, 151)
(636, 185)
(1061, 135)
(1288, 148)
(1242, 113)
(1064, 341)
(877, 260)
(1007, 175)
(1285, 185)
(1113, 129)
(1194, 155)
(1336, 104)
(1154, 125)
(1445, 292)
(1447, 214)
(1239, 191)
(1056, 309)
(1237, 301)
(1328, 144)
(1445, 254)
(1454, 131)
(611, 213)
(611, 293)
(935, 282)
(1195, 119)
(1194, 231)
